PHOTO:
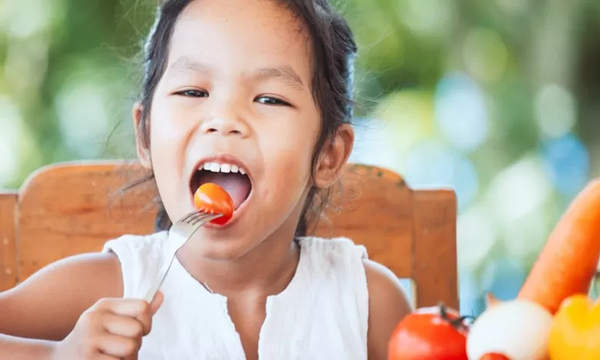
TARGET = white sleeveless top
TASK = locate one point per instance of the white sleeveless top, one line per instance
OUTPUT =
(322, 314)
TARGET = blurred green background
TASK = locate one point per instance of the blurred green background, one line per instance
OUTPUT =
(499, 100)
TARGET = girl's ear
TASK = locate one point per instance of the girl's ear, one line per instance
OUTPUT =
(334, 156)
(143, 153)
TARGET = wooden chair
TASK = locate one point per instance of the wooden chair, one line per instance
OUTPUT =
(72, 208)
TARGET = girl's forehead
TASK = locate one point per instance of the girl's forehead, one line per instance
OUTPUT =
(241, 27)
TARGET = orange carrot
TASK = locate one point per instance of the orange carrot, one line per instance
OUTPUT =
(567, 263)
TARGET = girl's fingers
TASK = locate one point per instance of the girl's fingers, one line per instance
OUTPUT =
(118, 346)
(123, 326)
(124, 307)
(156, 302)
(133, 308)
(105, 357)
(146, 317)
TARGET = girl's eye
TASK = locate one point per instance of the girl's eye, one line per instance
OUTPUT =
(269, 100)
(193, 93)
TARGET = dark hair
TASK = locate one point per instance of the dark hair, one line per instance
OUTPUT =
(334, 50)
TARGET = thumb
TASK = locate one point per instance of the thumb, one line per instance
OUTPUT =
(156, 302)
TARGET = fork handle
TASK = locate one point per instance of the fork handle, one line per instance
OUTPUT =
(196, 219)
(149, 296)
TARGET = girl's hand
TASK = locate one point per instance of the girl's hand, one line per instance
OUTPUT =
(111, 329)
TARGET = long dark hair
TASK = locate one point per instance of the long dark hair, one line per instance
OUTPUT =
(334, 50)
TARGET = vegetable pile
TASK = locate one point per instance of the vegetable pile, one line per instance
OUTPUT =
(552, 317)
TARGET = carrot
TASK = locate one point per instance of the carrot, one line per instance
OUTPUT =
(567, 263)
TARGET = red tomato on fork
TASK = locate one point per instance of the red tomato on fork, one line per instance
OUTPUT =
(213, 199)
(430, 333)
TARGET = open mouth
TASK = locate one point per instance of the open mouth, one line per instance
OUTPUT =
(232, 178)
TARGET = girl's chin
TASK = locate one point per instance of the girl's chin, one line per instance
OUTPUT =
(210, 246)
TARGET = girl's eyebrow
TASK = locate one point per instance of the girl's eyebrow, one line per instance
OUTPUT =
(284, 73)
(186, 64)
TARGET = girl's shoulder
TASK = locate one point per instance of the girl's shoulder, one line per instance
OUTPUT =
(343, 254)
(144, 243)
(334, 265)
(342, 267)
(332, 249)
(140, 258)
(323, 257)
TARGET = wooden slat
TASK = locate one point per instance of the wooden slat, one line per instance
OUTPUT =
(8, 247)
(435, 259)
(70, 209)
(376, 212)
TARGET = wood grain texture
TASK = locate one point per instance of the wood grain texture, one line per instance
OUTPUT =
(8, 246)
(72, 208)
(374, 210)
(69, 209)
(435, 259)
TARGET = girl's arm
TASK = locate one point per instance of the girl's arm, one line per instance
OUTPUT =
(24, 349)
(387, 306)
(48, 304)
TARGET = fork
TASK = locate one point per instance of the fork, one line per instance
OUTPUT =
(179, 234)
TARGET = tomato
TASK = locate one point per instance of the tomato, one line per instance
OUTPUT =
(430, 333)
(493, 356)
(212, 199)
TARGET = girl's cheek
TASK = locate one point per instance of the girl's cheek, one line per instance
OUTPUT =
(168, 141)
(291, 157)
(171, 121)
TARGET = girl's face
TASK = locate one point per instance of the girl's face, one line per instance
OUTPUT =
(237, 91)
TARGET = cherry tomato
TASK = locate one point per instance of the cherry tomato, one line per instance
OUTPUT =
(211, 198)
(430, 333)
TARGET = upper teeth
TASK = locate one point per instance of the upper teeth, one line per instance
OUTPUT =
(224, 168)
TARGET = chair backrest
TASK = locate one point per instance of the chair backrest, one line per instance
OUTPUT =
(71, 208)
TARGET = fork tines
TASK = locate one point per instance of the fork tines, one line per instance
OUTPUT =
(199, 216)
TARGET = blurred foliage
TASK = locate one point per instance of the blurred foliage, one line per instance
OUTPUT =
(499, 100)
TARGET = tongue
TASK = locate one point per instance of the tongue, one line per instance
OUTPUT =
(236, 185)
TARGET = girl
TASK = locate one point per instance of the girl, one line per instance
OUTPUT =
(253, 95)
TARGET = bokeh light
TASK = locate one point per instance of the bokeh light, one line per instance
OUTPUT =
(555, 110)
(485, 54)
(460, 111)
(568, 163)
(445, 168)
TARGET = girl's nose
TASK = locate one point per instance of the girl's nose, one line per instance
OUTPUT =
(225, 126)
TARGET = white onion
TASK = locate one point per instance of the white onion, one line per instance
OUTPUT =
(517, 329)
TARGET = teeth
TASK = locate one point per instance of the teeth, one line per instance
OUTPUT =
(223, 168)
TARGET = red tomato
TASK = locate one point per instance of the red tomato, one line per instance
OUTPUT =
(493, 356)
(212, 199)
(430, 333)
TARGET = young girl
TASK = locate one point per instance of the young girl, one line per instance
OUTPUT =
(253, 95)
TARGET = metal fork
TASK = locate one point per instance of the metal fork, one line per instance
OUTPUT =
(179, 234)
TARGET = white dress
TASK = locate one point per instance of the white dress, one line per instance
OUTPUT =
(322, 314)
